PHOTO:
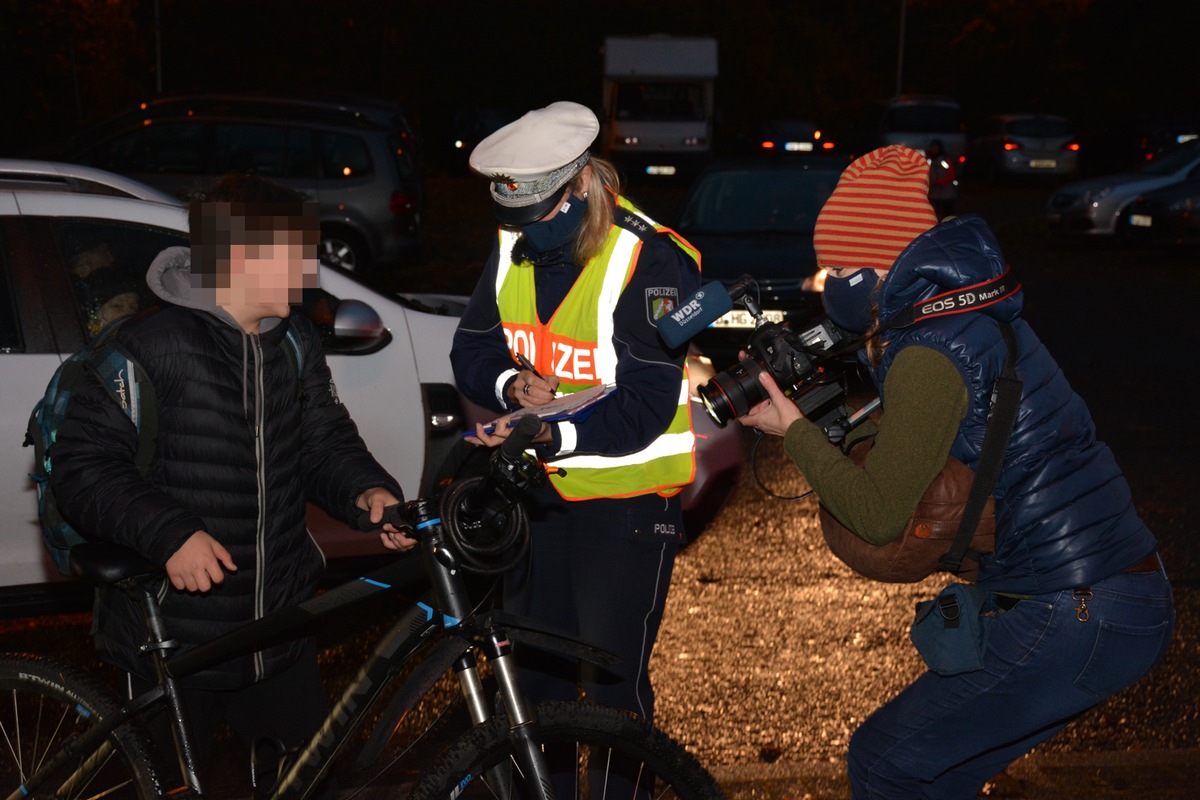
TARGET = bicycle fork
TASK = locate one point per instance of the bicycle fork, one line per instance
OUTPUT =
(444, 573)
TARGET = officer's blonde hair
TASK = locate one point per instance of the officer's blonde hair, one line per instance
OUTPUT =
(600, 183)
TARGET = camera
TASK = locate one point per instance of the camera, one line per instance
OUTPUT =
(809, 366)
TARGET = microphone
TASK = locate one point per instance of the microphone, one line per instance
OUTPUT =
(710, 302)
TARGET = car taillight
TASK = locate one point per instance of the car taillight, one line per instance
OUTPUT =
(1072, 146)
(401, 204)
(768, 145)
(1010, 146)
(827, 145)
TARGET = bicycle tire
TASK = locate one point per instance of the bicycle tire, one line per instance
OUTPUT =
(600, 734)
(44, 705)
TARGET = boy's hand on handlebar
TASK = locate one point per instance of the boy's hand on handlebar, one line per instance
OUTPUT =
(199, 564)
(392, 536)
(774, 415)
(502, 431)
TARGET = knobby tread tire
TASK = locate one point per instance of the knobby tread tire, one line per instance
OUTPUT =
(68, 701)
(457, 772)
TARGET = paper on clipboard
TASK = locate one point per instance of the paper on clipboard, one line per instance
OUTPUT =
(574, 406)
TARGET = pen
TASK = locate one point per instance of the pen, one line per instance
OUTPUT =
(524, 362)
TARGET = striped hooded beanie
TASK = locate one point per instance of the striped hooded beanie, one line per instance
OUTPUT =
(880, 204)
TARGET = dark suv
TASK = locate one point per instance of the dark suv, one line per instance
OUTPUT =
(357, 159)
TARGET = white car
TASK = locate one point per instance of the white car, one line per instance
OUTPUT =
(72, 239)
(1092, 207)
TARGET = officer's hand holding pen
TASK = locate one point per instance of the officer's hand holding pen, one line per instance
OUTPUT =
(530, 388)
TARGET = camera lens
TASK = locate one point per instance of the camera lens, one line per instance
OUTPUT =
(732, 393)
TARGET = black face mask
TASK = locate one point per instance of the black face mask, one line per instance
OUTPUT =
(847, 300)
(554, 234)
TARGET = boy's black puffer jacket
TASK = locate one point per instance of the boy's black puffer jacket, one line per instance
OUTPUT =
(242, 444)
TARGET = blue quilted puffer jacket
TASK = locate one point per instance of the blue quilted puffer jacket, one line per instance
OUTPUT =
(1064, 516)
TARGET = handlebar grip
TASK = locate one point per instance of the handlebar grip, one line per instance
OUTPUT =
(391, 514)
(528, 427)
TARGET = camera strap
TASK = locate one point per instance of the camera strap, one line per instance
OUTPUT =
(968, 298)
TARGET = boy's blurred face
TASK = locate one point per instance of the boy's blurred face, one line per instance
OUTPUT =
(271, 269)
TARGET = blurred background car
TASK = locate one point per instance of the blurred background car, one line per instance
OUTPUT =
(1023, 145)
(755, 217)
(916, 120)
(357, 158)
(1166, 216)
(1129, 142)
(1092, 207)
(787, 137)
(468, 127)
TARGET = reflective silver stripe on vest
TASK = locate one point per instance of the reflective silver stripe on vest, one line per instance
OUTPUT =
(668, 444)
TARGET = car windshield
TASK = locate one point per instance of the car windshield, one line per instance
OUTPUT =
(757, 201)
(1039, 127)
(1174, 160)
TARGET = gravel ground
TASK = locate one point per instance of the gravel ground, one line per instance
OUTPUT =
(772, 652)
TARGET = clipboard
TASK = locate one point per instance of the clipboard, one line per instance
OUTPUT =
(572, 407)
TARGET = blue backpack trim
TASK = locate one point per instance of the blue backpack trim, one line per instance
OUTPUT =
(125, 381)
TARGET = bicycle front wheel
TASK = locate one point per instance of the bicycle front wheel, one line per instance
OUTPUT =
(593, 751)
(45, 707)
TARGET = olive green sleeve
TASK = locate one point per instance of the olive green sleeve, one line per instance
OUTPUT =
(925, 401)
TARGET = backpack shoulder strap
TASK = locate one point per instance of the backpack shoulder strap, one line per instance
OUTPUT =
(129, 387)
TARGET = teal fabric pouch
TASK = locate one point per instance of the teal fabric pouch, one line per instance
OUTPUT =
(949, 632)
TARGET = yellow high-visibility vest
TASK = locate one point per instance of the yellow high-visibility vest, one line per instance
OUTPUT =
(577, 346)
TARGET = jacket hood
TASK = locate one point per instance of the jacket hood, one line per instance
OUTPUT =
(170, 278)
(956, 254)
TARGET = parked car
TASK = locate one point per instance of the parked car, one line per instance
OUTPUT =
(916, 120)
(468, 127)
(1093, 206)
(755, 217)
(791, 136)
(1167, 216)
(71, 235)
(358, 159)
(1024, 145)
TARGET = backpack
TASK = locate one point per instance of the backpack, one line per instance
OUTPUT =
(126, 383)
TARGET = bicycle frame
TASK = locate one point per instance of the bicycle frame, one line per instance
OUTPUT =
(448, 612)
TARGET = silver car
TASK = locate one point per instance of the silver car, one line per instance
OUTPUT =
(1024, 145)
(1093, 207)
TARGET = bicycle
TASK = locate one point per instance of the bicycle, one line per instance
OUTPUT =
(62, 734)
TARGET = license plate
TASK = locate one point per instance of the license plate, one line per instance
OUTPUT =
(1141, 220)
(1042, 163)
(743, 319)
(798, 147)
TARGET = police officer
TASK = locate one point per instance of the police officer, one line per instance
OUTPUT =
(575, 285)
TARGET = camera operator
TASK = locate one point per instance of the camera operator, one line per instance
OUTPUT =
(1079, 605)
(575, 285)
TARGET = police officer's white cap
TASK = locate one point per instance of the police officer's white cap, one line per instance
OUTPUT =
(529, 161)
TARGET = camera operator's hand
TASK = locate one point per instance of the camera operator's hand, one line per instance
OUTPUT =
(774, 415)
(502, 432)
(529, 389)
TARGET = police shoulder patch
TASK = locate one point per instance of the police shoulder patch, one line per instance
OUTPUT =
(660, 300)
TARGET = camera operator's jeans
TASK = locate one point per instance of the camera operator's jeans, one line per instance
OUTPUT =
(944, 737)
